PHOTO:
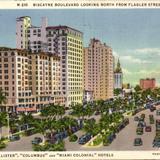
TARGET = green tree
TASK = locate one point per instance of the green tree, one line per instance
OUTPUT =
(41, 127)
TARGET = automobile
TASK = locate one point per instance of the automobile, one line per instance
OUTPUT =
(84, 138)
(126, 121)
(156, 142)
(138, 142)
(158, 112)
(141, 124)
(136, 118)
(151, 116)
(152, 108)
(142, 116)
(14, 138)
(37, 140)
(148, 129)
(109, 139)
(139, 131)
(120, 127)
(141, 119)
(157, 125)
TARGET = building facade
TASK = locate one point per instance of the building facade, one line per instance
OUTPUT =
(118, 76)
(148, 83)
(98, 70)
(29, 80)
(68, 43)
(31, 37)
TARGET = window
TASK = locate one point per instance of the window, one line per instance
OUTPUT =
(6, 77)
(5, 59)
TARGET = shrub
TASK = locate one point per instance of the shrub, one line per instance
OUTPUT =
(2, 145)
(73, 138)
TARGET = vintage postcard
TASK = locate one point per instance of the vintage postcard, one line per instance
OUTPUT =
(79, 80)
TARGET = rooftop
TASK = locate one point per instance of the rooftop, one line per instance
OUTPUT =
(62, 27)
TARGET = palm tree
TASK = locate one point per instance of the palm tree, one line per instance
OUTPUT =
(26, 119)
(77, 110)
(60, 110)
(3, 98)
(41, 127)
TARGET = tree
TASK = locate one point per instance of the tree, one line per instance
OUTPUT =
(117, 91)
(26, 119)
(3, 98)
(41, 127)
(137, 88)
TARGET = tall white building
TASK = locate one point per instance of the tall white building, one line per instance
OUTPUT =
(62, 40)
(31, 37)
(67, 42)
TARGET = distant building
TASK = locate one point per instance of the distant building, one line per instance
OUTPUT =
(148, 83)
(118, 76)
(126, 85)
(98, 70)
(87, 96)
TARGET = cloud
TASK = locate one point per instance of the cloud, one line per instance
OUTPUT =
(134, 60)
(148, 51)
(126, 71)
(115, 54)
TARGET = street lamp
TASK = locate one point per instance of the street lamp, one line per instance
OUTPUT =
(8, 124)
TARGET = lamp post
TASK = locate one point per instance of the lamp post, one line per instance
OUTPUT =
(8, 124)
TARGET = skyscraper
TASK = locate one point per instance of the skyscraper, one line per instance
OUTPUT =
(98, 70)
(68, 43)
(118, 76)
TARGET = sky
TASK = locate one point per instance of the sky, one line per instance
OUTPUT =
(133, 34)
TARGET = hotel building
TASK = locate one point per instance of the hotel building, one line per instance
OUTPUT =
(62, 40)
(31, 37)
(29, 80)
(67, 42)
(98, 70)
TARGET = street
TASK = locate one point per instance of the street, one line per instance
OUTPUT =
(124, 140)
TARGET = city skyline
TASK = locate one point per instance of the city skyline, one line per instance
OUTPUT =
(134, 38)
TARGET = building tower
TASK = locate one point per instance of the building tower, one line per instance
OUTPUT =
(31, 37)
(118, 76)
(68, 43)
(22, 26)
(98, 70)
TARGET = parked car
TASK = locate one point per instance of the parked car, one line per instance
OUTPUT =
(84, 138)
(157, 125)
(152, 108)
(136, 118)
(109, 139)
(14, 138)
(158, 112)
(139, 131)
(142, 116)
(36, 140)
(156, 142)
(141, 124)
(138, 142)
(148, 129)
